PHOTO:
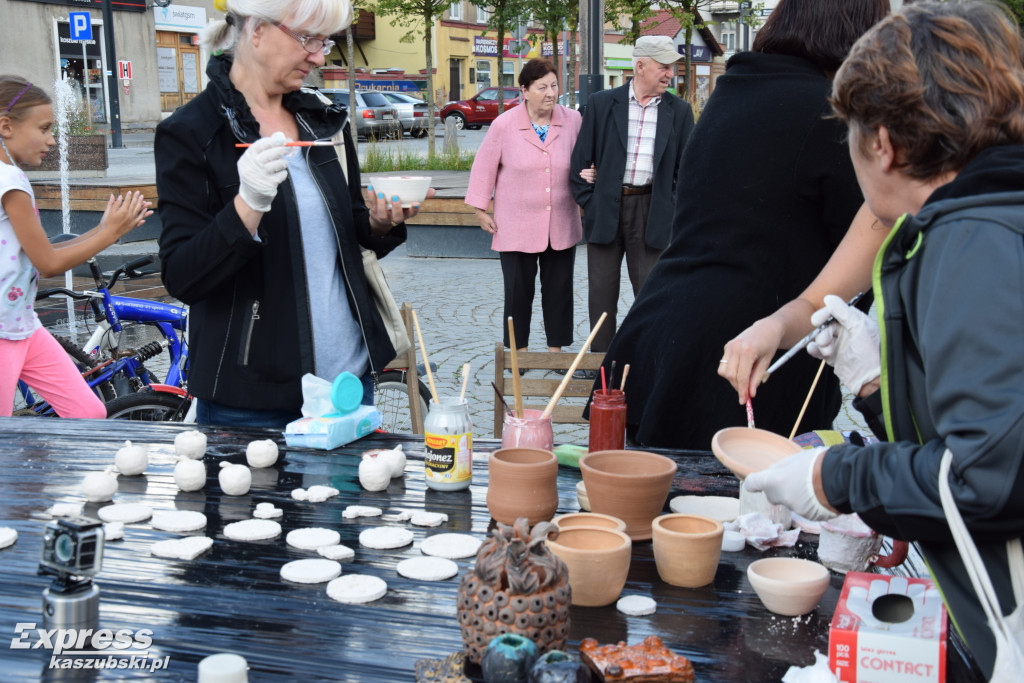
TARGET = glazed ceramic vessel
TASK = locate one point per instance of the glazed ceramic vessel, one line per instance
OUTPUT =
(530, 431)
(630, 485)
(517, 585)
(588, 519)
(746, 449)
(598, 562)
(787, 585)
(847, 544)
(687, 549)
(522, 482)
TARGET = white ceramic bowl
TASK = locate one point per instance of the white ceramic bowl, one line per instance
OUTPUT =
(410, 189)
(787, 585)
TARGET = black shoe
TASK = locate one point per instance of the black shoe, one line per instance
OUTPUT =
(585, 374)
(561, 371)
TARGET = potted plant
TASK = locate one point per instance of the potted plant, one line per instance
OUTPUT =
(87, 145)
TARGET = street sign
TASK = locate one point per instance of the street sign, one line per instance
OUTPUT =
(81, 25)
(124, 69)
(519, 47)
(519, 32)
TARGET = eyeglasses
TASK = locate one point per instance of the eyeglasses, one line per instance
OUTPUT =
(310, 44)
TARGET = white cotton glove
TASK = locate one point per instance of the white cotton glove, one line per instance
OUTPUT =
(261, 169)
(850, 344)
(790, 482)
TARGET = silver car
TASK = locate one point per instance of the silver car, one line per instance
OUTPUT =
(412, 113)
(375, 116)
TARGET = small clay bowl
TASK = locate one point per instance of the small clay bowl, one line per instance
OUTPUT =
(573, 520)
(787, 585)
(687, 549)
(745, 449)
(630, 485)
(598, 563)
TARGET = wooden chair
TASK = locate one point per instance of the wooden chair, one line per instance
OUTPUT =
(542, 388)
(407, 362)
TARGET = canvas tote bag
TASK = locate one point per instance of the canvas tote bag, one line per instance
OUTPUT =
(379, 290)
(1009, 630)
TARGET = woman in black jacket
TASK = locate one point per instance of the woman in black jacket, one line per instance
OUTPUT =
(766, 191)
(263, 243)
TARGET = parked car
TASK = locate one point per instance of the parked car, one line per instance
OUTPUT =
(480, 109)
(375, 116)
(563, 99)
(412, 112)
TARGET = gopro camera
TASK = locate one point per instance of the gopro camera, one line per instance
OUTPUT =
(72, 547)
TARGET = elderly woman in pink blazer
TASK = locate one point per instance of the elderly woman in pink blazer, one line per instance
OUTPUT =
(524, 162)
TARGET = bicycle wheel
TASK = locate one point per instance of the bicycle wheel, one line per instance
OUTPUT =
(33, 405)
(392, 400)
(149, 406)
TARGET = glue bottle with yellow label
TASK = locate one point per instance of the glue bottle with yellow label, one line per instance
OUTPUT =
(449, 443)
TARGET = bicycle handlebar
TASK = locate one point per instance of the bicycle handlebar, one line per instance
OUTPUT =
(47, 293)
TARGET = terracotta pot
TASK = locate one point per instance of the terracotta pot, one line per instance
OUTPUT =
(687, 549)
(746, 449)
(630, 485)
(588, 519)
(530, 431)
(522, 482)
(787, 585)
(598, 562)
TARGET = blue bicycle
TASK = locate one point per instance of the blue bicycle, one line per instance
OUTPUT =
(119, 376)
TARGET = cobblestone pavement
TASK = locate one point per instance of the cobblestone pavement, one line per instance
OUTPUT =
(459, 306)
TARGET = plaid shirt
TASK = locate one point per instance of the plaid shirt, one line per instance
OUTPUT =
(643, 126)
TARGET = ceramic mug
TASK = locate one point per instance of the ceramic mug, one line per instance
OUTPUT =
(847, 544)
(522, 482)
(530, 431)
(687, 549)
(598, 562)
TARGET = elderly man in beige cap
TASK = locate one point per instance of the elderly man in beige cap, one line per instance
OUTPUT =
(624, 171)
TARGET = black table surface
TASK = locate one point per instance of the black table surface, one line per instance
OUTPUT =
(232, 599)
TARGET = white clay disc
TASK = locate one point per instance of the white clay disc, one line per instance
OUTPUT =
(252, 530)
(179, 520)
(312, 538)
(636, 605)
(356, 588)
(385, 537)
(299, 494)
(427, 568)
(113, 531)
(722, 508)
(267, 511)
(65, 510)
(733, 541)
(341, 553)
(129, 513)
(311, 571)
(318, 493)
(182, 548)
(421, 518)
(354, 511)
(8, 536)
(452, 546)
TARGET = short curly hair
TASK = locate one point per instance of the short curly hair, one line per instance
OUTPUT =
(946, 79)
(535, 69)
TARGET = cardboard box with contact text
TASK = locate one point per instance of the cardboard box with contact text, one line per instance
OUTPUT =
(888, 629)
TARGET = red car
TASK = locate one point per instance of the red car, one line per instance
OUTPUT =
(480, 109)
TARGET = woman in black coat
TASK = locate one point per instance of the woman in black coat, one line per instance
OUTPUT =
(766, 193)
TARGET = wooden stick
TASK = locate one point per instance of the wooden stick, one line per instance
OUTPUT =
(517, 392)
(465, 381)
(625, 373)
(426, 361)
(572, 368)
(807, 400)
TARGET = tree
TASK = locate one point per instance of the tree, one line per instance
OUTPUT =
(501, 16)
(552, 15)
(1017, 9)
(419, 17)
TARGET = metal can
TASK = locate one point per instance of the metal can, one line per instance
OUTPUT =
(448, 435)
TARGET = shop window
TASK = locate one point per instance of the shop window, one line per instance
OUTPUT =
(483, 74)
(508, 76)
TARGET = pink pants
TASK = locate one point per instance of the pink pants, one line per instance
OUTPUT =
(46, 367)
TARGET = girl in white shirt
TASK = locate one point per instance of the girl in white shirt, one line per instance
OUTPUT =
(27, 350)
